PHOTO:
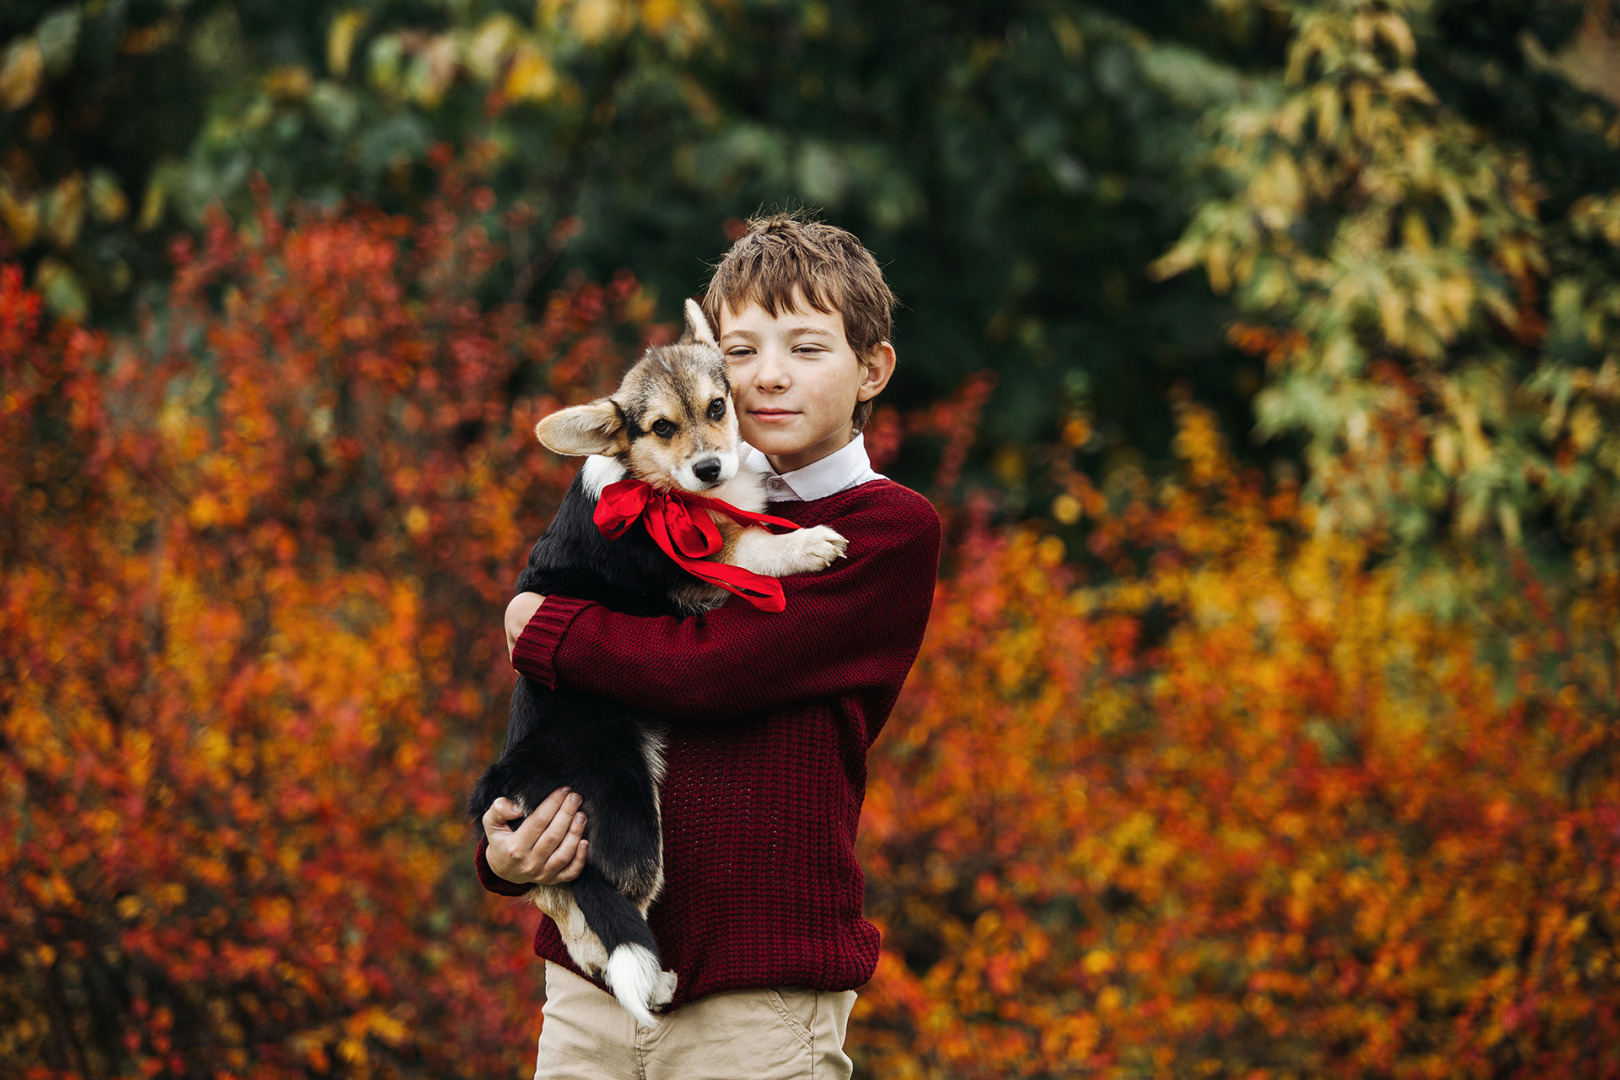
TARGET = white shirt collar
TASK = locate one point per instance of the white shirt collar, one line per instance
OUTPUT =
(847, 467)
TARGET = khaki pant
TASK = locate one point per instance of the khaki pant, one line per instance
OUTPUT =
(738, 1035)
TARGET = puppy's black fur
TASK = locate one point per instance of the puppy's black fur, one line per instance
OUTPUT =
(603, 750)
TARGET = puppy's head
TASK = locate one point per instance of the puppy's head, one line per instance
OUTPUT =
(671, 422)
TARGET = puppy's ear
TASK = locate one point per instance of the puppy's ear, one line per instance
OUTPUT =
(697, 327)
(597, 428)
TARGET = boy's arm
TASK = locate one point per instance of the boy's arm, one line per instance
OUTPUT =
(855, 625)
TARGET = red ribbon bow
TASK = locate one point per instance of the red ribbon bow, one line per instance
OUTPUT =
(679, 523)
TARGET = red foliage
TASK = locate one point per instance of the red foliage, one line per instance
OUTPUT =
(1311, 831)
(254, 562)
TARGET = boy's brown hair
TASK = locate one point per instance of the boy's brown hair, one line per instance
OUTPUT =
(781, 254)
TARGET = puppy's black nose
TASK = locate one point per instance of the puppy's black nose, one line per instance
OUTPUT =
(707, 470)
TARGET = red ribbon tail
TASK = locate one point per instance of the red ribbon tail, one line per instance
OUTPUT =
(763, 592)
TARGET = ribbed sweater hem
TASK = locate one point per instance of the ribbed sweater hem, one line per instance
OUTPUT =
(493, 881)
(535, 653)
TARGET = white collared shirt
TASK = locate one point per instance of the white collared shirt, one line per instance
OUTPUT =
(841, 470)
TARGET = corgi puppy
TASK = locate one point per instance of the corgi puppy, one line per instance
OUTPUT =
(671, 425)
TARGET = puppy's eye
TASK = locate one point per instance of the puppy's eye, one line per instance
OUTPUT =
(663, 428)
(717, 408)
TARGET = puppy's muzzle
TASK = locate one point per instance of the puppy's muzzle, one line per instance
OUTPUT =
(707, 470)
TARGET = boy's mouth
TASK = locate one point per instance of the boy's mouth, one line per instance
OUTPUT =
(771, 414)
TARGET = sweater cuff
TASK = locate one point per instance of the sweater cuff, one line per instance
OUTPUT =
(535, 652)
(492, 881)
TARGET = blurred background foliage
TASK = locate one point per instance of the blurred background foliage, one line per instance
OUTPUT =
(1261, 357)
(1015, 167)
(1368, 184)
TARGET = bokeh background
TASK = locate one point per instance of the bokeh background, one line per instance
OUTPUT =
(1261, 358)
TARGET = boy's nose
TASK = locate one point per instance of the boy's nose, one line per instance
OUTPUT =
(771, 373)
(707, 470)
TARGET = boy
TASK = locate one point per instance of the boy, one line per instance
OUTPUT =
(771, 715)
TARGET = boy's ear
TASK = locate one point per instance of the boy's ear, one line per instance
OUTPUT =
(597, 428)
(877, 368)
(697, 327)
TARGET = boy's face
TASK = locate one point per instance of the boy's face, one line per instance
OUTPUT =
(797, 380)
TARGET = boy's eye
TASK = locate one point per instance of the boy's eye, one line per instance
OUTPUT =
(717, 409)
(663, 428)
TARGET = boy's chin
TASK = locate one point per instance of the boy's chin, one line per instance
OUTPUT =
(773, 440)
(795, 446)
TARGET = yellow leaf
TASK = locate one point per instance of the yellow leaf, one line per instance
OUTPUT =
(1458, 294)
(138, 758)
(1217, 263)
(1100, 962)
(1444, 448)
(152, 204)
(20, 217)
(531, 78)
(1584, 426)
(595, 20)
(1415, 233)
(658, 15)
(63, 212)
(20, 73)
(214, 746)
(288, 82)
(107, 199)
(1420, 157)
(340, 39)
(1327, 114)
(1068, 36)
(1393, 29)
(490, 45)
(1391, 312)
(1406, 83)
(1507, 518)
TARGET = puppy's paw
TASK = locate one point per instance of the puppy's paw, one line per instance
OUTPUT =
(781, 554)
(815, 548)
(663, 991)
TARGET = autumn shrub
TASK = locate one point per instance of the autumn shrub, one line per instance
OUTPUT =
(253, 562)
(1243, 805)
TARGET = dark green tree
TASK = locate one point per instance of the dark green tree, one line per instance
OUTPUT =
(1016, 167)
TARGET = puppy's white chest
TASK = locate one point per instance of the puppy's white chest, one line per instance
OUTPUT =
(746, 490)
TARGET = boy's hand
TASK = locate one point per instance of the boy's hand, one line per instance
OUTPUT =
(518, 614)
(546, 848)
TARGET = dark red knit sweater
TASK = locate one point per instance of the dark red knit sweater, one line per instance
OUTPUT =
(771, 718)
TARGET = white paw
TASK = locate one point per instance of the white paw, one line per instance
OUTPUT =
(663, 989)
(815, 548)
